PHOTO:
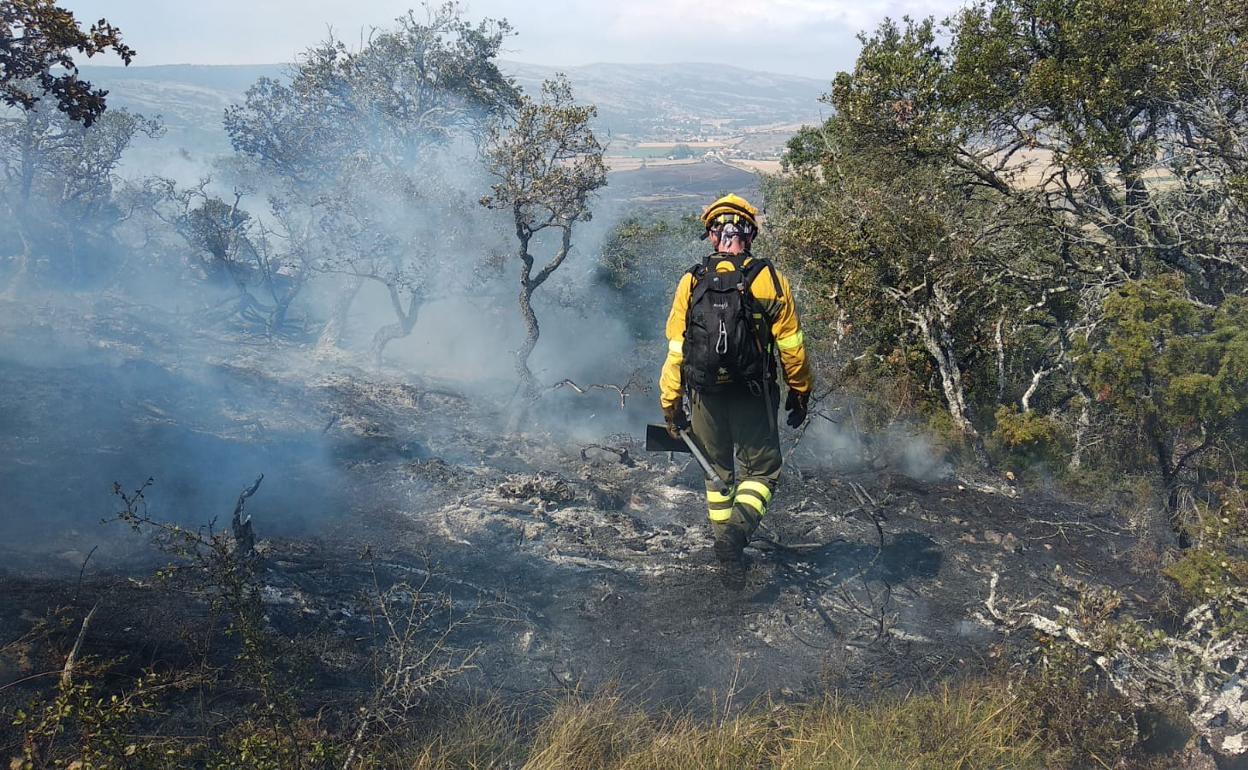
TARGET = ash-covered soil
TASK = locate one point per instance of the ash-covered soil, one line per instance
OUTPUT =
(571, 563)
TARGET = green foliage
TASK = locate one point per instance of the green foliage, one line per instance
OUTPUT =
(1074, 712)
(1177, 369)
(1028, 437)
(418, 84)
(682, 151)
(639, 261)
(897, 94)
(978, 199)
(1096, 73)
(1217, 564)
(878, 228)
(546, 161)
(216, 226)
(364, 154)
(1205, 573)
(1025, 430)
(639, 247)
(37, 57)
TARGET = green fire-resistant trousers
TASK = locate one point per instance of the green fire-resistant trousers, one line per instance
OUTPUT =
(735, 421)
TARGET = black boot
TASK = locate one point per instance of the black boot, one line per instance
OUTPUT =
(730, 551)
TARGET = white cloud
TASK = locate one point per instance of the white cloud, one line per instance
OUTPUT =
(745, 16)
(806, 37)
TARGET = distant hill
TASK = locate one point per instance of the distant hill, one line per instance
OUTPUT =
(190, 98)
(639, 101)
(671, 101)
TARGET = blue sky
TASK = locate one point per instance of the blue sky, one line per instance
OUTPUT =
(800, 37)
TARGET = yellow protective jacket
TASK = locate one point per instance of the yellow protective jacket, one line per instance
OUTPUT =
(785, 330)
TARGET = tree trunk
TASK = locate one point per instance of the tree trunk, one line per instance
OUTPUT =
(21, 276)
(532, 331)
(389, 333)
(940, 346)
(277, 319)
(1082, 425)
(1170, 475)
(1037, 377)
(528, 284)
(999, 337)
(336, 326)
(526, 390)
(399, 329)
(22, 212)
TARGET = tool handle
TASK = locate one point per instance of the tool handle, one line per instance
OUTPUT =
(702, 461)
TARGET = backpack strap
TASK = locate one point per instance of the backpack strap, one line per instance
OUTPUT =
(758, 266)
(697, 271)
(750, 273)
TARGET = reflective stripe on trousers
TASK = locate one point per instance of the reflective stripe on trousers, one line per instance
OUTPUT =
(719, 506)
(737, 431)
(754, 494)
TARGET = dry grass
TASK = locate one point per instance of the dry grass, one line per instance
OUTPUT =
(970, 727)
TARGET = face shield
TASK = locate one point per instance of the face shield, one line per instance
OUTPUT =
(727, 230)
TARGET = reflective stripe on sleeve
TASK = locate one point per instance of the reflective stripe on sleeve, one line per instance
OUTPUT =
(795, 340)
(755, 494)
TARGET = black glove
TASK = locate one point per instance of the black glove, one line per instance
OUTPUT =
(796, 405)
(675, 418)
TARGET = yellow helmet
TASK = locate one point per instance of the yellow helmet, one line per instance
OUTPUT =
(730, 208)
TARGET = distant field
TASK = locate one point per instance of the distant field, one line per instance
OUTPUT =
(622, 163)
(660, 150)
(658, 153)
(678, 184)
(759, 166)
(619, 163)
(691, 145)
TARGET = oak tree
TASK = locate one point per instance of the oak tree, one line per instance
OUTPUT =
(547, 163)
(36, 58)
(358, 140)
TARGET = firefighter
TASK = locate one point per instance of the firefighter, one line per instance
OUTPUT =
(732, 316)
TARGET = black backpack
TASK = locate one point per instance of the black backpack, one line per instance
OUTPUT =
(727, 334)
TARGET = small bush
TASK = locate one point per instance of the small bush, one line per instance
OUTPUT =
(1079, 720)
(1028, 438)
(1202, 574)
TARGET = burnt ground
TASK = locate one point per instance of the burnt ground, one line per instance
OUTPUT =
(569, 563)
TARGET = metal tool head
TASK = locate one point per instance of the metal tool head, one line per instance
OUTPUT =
(659, 440)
